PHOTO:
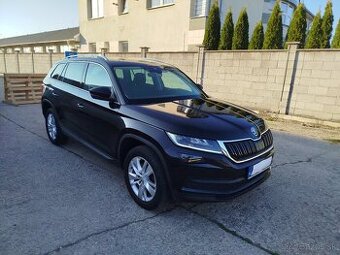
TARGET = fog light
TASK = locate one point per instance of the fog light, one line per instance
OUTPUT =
(190, 158)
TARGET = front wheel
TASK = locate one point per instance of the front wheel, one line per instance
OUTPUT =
(53, 129)
(144, 177)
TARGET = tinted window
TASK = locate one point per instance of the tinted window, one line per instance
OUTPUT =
(57, 71)
(135, 72)
(96, 76)
(148, 82)
(74, 73)
(172, 80)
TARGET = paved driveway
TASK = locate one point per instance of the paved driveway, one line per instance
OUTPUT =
(70, 201)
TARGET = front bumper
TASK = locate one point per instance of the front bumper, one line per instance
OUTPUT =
(203, 176)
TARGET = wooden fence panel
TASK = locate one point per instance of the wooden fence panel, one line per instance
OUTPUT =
(23, 88)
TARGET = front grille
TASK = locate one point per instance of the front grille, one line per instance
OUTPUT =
(243, 150)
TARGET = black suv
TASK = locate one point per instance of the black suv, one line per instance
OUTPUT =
(171, 139)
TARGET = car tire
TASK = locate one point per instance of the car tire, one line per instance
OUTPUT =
(145, 180)
(53, 129)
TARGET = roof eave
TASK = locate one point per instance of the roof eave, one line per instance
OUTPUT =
(39, 43)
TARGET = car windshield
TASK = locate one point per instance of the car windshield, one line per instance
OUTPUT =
(150, 83)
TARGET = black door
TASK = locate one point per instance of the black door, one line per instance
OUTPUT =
(98, 120)
(72, 90)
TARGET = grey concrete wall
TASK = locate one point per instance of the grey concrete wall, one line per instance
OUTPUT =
(310, 80)
(253, 79)
(297, 82)
(316, 89)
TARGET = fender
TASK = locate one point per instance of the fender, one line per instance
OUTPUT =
(44, 100)
(156, 150)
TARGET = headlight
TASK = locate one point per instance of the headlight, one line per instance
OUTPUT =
(195, 143)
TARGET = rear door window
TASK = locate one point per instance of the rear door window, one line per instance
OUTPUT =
(75, 73)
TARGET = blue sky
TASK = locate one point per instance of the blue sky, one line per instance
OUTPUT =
(20, 17)
(317, 5)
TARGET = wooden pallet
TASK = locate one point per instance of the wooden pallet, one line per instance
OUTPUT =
(23, 88)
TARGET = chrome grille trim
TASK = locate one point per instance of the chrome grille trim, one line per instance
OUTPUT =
(247, 148)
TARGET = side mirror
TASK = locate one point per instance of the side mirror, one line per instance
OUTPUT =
(199, 86)
(101, 93)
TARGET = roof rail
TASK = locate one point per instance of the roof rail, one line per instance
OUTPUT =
(103, 57)
(85, 55)
(157, 61)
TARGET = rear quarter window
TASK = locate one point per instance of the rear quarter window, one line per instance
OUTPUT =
(56, 74)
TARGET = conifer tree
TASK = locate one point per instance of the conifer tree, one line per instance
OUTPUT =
(212, 30)
(227, 33)
(273, 36)
(298, 26)
(241, 32)
(327, 25)
(336, 38)
(257, 39)
(315, 35)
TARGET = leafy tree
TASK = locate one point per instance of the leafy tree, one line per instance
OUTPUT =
(212, 30)
(336, 38)
(241, 33)
(298, 26)
(327, 25)
(257, 39)
(273, 36)
(227, 33)
(315, 35)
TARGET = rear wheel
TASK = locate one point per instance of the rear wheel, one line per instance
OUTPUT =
(144, 177)
(53, 129)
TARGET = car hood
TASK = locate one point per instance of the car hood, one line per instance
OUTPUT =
(201, 118)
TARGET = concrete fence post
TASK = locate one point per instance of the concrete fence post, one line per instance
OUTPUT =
(32, 60)
(200, 65)
(4, 58)
(50, 52)
(144, 52)
(17, 59)
(289, 77)
(103, 51)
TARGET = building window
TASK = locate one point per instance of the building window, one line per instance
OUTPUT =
(287, 13)
(38, 49)
(97, 9)
(64, 48)
(123, 6)
(123, 46)
(158, 3)
(200, 8)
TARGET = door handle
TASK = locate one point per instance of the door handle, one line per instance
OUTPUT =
(54, 94)
(79, 105)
